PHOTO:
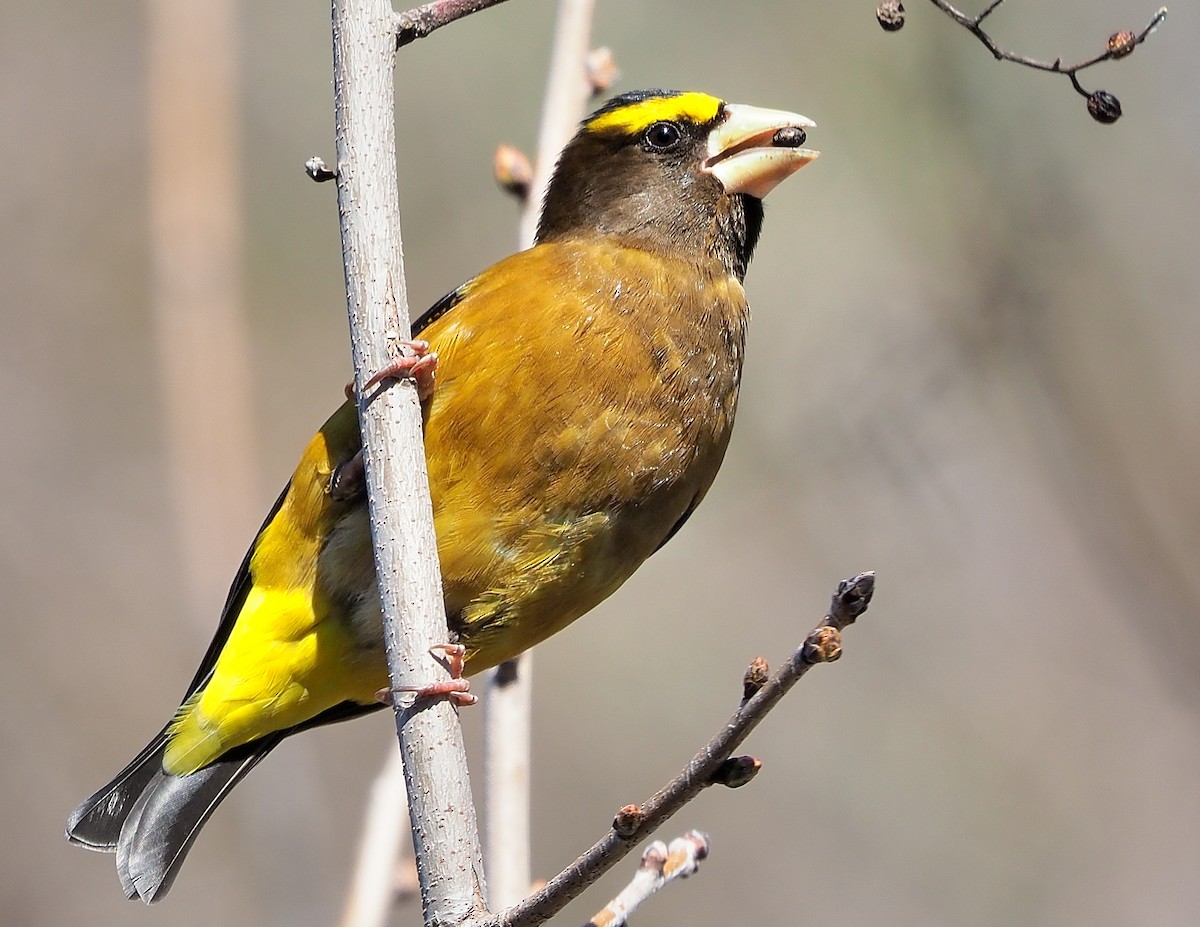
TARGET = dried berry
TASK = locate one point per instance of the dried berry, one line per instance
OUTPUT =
(890, 14)
(1104, 107)
(1121, 44)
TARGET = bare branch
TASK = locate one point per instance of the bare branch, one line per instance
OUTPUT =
(420, 21)
(660, 864)
(1103, 106)
(823, 645)
(974, 25)
(445, 839)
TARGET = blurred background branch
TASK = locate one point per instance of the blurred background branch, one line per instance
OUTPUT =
(508, 704)
(1102, 105)
(196, 247)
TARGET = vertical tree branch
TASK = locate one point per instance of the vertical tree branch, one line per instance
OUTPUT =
(508, 706)
(372, 890)
(508, 714)
(567, 91)
(445, 840)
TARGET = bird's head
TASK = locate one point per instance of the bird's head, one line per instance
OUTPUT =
(676, 172)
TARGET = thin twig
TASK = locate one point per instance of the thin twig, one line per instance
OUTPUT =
(420, 21)
(974, 25)
(660, 864)
(823, 645)
(991, 8)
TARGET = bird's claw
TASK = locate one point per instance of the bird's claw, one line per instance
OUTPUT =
(415, 363)
(455, 688)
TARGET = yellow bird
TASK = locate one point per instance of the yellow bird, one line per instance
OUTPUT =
(585, 395)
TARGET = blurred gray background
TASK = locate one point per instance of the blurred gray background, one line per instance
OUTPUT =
(973, 368)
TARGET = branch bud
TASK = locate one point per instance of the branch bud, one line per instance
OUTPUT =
(736, 771)
(512, 171)
(890, 14)
(628, 820)
(756, 677)
(602, 70)
(824, 645)
(1121, 43)
(316, 169)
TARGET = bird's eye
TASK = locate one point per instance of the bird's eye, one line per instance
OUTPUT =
(662, 136)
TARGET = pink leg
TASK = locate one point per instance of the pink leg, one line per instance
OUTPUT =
(414, 362)
(349, 480)
(455, 687)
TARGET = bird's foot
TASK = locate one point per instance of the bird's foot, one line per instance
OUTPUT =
(415, 363)
(455, 688)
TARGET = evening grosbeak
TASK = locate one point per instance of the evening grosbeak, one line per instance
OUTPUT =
(585, 395)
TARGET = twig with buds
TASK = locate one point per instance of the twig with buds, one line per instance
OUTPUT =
(660, 864)
(1102, 105)
(714, 764)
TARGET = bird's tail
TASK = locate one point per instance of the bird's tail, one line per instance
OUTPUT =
(150, 818)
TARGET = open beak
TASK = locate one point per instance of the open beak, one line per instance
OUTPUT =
(754, 149)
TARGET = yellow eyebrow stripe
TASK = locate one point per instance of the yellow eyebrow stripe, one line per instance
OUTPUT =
(697, 108)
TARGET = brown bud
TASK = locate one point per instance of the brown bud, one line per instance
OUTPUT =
(736, 771)
(602, 70)
(1104, 107)
(628, 820)
(756, 677)
(512, 171)
(851, 599)
(1121, 43)
(824, 645)
(890, 14)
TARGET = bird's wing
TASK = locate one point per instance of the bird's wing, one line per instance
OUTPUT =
(243, 581)
(439, 309)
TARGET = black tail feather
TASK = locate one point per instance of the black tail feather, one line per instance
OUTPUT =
(96, 824)
(150, 818)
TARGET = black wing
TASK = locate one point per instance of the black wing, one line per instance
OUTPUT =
(438, 309)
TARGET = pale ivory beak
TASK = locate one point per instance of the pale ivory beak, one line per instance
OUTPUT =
(754, 149)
